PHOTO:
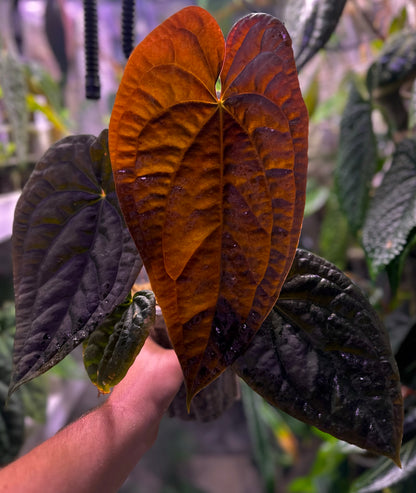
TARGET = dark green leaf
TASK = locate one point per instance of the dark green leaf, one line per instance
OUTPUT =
(385, 474)
(316, 22)
(11, 424)
(391, 215)
(396, 64)
(74, 260)
(357, 159)
(323, 356)
(112, 348)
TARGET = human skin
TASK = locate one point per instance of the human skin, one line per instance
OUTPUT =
(97, 452)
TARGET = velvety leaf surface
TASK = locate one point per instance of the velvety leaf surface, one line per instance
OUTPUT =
(357, 158)
(392, 214)
(313, 22)
(323, 356)
(112, 348)
(212, 188)
(73, 258)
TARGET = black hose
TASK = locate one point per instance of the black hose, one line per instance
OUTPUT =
(92, 77)
(128, 18)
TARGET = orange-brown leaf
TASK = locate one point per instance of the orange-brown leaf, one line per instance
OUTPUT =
(212, 188)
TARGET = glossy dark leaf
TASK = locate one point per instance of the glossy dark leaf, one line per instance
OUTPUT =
(385, 474)
(212, 188)
(74, 260)
(391, 215)
(323, 356)
(357, 158)
(112, 348)
(313, 22)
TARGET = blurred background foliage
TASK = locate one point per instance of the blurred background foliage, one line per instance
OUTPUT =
(357, 66)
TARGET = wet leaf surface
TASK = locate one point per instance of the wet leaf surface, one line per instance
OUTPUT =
(212, 188)
(323, 356)
(73, 258)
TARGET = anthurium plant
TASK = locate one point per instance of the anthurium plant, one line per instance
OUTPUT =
(201, 177)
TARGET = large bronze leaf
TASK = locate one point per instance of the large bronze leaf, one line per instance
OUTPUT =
(73, 258)
(323, 356)
(212, 186)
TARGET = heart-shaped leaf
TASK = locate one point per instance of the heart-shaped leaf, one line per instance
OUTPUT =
(323, 356)
(212, 188)
(112, 348)
(73, 258)
(391, 215)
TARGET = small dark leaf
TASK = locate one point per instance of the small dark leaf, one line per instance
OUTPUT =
(391, 215)
(112, 348)
(385, 474)
(74, 260)
(323, 356)
(316, 26)
(357, 158)
(395, 64)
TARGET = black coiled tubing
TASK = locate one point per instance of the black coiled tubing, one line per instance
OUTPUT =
(128, 26)
(92, 77)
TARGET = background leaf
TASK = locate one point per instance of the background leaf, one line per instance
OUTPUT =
(212, 189)
(357, 158)
(73, 257)
(395, 64)
(323, 356)
(385, 474)
(311, 24)
(391, 215)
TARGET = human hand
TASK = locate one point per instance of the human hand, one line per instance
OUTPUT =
(152, 381)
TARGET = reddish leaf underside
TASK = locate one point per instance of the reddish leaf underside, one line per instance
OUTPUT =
(212, 188)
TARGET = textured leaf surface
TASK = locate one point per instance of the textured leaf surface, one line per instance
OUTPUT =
(112, 348)
(73, 258)
(212, 189)
(323, 356)
(313, 22)
(385, 474)
(357, 158)
(392, 212)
